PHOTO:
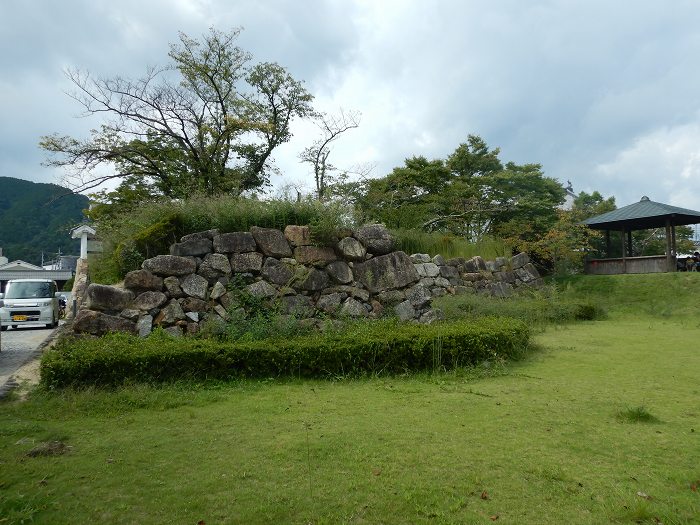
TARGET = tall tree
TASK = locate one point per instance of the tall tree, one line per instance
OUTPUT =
(331, 128)
(207, 122)
(470, 194)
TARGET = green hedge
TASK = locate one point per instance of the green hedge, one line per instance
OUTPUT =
(379, 347)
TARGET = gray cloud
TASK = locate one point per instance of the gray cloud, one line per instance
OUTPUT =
(605, 94)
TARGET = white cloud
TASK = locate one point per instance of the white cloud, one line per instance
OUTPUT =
(664, 165)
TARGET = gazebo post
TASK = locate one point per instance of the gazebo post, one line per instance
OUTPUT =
(629, 243)
(668, 246)
(674, 249)
(624, 259)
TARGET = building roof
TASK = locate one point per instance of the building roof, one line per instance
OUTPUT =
(19, 273)
(19, 265)
(643, 215)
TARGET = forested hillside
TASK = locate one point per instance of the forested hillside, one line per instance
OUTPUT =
(33, 220)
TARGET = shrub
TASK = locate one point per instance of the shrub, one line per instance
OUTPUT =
(383, 347)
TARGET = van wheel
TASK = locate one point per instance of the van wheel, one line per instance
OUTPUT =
(14, 327)
(3, 328)
(52, 324)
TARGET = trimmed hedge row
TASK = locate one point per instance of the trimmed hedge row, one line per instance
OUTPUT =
(379, 347)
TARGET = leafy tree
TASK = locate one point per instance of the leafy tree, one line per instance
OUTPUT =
(207, 122)
(589, 205)
(409, 197)
(471, 194)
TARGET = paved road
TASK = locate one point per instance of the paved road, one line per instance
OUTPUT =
(18, 347)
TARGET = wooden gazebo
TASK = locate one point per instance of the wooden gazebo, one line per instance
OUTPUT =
(642, 215)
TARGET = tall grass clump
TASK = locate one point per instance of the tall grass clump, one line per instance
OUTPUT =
(536, 307)
(638, 414)
(448, 245)
(149, 229)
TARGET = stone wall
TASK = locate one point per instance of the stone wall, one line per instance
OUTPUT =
(361, 276)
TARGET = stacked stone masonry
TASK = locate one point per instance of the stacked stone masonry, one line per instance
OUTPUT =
(361, 276)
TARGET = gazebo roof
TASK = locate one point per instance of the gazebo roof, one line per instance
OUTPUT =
(643, 215)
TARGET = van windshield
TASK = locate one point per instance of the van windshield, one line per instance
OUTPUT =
(29, 290)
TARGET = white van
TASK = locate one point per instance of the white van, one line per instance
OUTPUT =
(28, 301)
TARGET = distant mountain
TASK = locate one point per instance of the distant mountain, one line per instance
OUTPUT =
(36, 218)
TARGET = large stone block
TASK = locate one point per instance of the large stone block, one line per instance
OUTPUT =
(352, 249)
(217, 291)
(277, 272)
(172, 287)
(353, 291)
(520, 260)
(419, 296)
(261, 289)
(298, 235)
(315, 255)
(475, 264)
(376, 238)
(271, 242)
(339, 272)
(431, 316)
(431, 269)
(195, 286)
(170, 265)
(310, 279)
(297, 305)
(215, 265)
(142, 280)
(386, 272)
(170, 315)
(235, 242)
(192, 304)
(99, 323)
(330, 303)
(144, 326)
(405, 311)
(450, 273)
(207, 234)
(107, 298)
(148, 301)
(246, 262)
(192, 247)
(353, 308)
(419, 258)
(391, 297)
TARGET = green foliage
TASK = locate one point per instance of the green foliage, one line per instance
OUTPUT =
(447, 244)
(470, 194)
(36, 218)
(536, 307)
(148, 229)
(373, 348)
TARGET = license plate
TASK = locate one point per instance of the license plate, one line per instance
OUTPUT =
(19, 317)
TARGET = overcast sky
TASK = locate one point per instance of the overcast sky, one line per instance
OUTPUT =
(604, 94)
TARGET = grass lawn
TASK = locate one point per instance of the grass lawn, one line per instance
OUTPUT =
(551, 439)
